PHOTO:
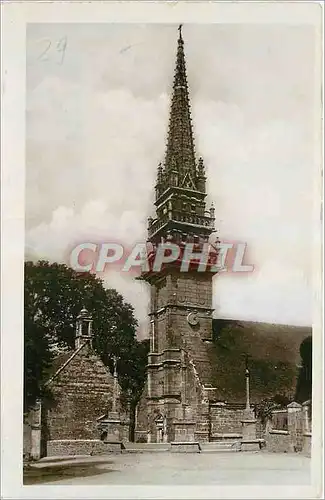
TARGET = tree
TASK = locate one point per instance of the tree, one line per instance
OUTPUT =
(304, 382)
(133, 377)
(264, 409)
(37, 359)
(54, 296)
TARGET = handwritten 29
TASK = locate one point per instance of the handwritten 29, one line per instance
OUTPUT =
(52, 50)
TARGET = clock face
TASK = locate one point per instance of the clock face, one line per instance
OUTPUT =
(193, 319)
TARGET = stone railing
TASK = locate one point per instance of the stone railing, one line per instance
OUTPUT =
(176, 216)
(200, 220)
(157, 224)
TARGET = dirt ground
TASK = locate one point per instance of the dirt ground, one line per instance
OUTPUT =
(174, 469)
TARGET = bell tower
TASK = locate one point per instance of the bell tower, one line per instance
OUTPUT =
(181, 213)
(83, 329)
(181, 301)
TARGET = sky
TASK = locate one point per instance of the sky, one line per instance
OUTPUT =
(97, 104)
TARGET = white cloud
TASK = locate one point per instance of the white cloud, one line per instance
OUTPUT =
(96, 128)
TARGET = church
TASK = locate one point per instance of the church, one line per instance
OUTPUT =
(204, 375)
(83, 415)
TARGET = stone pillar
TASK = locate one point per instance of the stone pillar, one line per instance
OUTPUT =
(249, 440)
(294, 425)
(112, 423)
(165, 436)
(36, 430)
(149, 432)
(115, 387)
(113, 426)
(249, 415)
(149, 382)
(184, 435)
(183, 381)
(306, 429)
(248, 406)
(152, 335)
(306, 422)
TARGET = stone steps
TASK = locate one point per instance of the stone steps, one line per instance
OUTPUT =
(218, 446)
(222, 445)
(146, 450)
(146, 447)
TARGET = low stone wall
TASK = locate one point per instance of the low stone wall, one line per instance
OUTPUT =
(307, 444)
(296, 437)
(225, 419)
(141, 436)
(62, 447)
(278, 441)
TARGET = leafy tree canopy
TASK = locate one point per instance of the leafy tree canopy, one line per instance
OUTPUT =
(304, 382)
(54, 296)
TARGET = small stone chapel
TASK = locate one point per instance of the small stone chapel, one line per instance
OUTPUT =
(85, 415)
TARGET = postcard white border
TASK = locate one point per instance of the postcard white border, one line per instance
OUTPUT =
(15, 16)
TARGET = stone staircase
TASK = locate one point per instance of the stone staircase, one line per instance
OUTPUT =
(146, 447)
(220, 446)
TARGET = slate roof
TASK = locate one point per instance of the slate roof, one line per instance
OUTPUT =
(273, 358)
(61, 361)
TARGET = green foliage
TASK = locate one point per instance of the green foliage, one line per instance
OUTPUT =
(273, 375)
(304, 382)
(54, 296)
(264, 409)
(37, 359)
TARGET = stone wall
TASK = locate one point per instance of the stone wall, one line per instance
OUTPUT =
(306, 447)
(278, 441)
(225, 419)
(297, 436)
(62, 447)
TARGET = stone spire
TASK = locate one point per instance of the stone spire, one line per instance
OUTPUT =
(180, 155)
(181, 213)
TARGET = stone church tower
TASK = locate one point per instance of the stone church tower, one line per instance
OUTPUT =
(181, 302)
(196, 388)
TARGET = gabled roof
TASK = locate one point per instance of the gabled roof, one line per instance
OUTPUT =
(61, 361)
(273, 358)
